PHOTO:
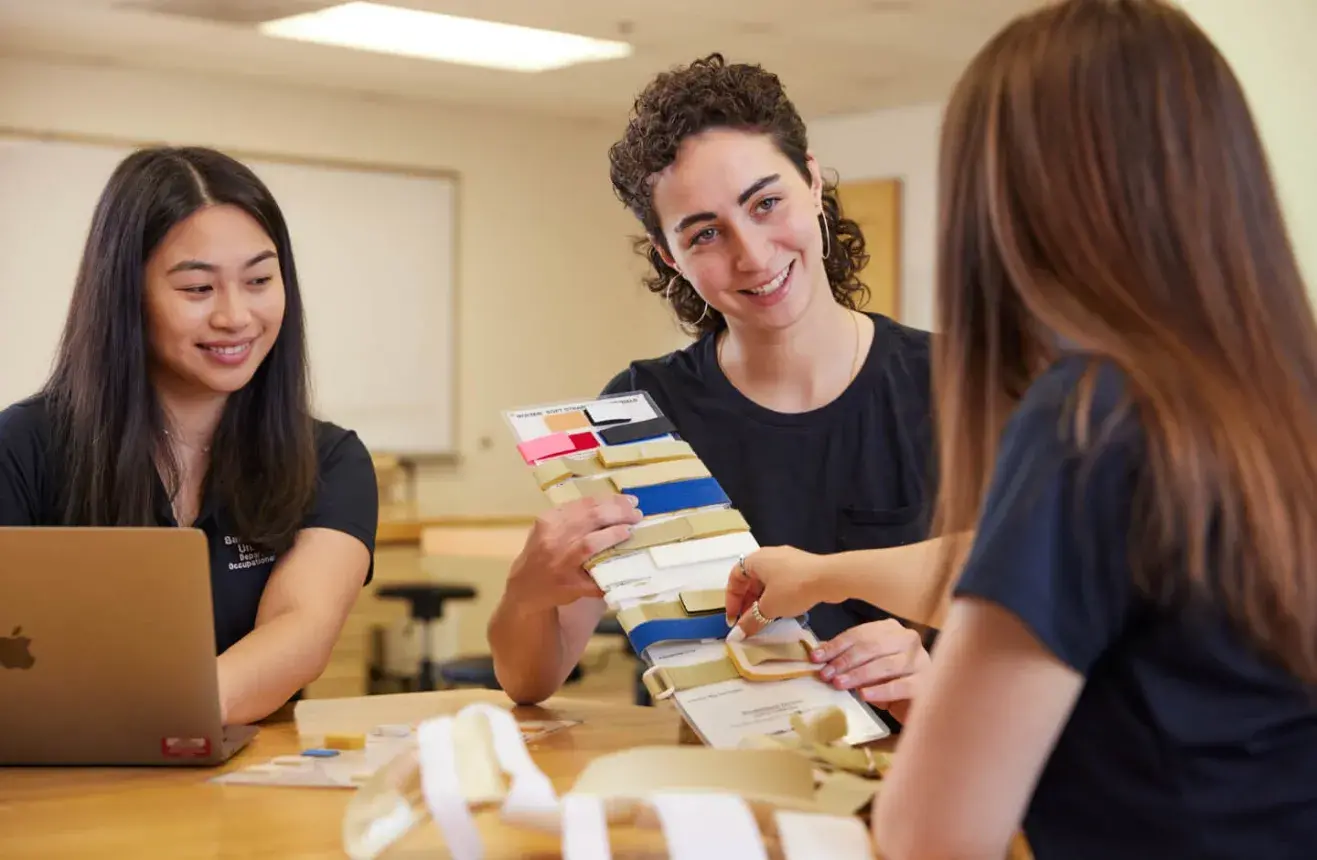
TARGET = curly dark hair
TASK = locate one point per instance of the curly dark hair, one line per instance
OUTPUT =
(710, 93)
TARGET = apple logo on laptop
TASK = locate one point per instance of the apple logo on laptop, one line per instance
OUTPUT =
(15, 652)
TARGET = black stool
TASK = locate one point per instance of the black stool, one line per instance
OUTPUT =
(425, 605)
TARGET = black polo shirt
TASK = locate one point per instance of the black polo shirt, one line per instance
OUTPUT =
(856, 473)
(1184, 741)
(347, 500)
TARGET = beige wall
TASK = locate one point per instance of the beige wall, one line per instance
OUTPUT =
(549, 300)
(899, 143)
(1267, 44)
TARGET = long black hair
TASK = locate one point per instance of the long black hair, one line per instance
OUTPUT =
(108, 426)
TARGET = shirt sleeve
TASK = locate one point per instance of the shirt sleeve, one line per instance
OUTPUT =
(1052, 539)
(622, 383)
(347, 497)
(21, 466)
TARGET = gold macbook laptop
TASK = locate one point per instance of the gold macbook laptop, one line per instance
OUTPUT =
(107, 649)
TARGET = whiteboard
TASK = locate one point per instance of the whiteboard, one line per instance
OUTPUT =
(375, 253)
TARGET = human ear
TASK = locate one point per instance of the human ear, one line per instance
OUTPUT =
(661, 247)
(815, 180)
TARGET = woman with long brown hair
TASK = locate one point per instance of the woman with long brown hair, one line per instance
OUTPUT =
(180, 398)
(1126, 388)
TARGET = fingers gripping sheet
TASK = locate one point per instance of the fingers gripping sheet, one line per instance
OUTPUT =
(688, 542)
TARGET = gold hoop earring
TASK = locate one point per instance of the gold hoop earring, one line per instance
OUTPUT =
(827, 236)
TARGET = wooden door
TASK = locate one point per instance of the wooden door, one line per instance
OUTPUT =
(875, 204)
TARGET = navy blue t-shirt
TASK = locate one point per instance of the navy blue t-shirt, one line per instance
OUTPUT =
(1184, 743)
(346, 500)
(856, 473)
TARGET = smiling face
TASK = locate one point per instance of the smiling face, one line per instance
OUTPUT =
(742, 226)
(214, 301)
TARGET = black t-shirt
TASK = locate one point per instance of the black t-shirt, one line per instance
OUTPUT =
(1183, 743)
(347, 500)
(855, 473)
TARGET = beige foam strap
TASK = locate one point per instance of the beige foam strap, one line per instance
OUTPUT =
(779, 777)
(580, 488)
(771, 660)
(663, 681)
(857, 760)
(700, 524)
(551, 472)
(770, 652)
(700, 602)
(633, 616)
(616, 456)
(659, 473)
(561, 494)
(823, 727)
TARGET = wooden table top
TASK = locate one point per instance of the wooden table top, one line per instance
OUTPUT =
(178, 813)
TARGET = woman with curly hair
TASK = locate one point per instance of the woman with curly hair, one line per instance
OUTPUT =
(813, 416)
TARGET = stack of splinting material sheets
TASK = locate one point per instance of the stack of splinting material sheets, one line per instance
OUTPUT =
(666, 582)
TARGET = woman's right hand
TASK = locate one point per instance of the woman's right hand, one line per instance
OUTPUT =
(781, 581)
(549, 572)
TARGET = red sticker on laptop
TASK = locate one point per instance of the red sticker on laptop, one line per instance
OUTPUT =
(185, 747)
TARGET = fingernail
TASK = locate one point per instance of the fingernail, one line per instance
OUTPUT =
(827, 672)
(817, 656)
(635, 501)
(840, 682)
(731, 622)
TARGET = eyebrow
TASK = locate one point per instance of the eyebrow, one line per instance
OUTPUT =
(199, 266)
(745, 195)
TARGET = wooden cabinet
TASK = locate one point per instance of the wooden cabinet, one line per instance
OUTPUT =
(875, 204)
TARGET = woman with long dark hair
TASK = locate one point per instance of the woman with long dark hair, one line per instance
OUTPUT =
(179, 397)
(1126, 387)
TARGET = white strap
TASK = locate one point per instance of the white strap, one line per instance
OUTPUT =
(443, 790)
(701, 826)
(531, 799)
(584, 828)
(807, 835)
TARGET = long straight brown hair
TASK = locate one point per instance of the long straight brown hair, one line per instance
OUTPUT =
(107, 423)
(1103, 184)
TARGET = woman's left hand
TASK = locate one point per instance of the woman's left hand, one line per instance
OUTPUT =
(884, 661)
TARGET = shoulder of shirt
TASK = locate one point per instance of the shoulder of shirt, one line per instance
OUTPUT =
(906, 338)
(28, 419)
(1048, 410)
(684, 362)
(333, 441)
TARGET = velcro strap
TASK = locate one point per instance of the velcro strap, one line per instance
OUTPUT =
(659, 473)
(663, 681)
(707, 600)
(581, 488)
(768, 652)
(637, 431)
(700, 524)
(616, 456)
(698, 825)
(679, 496)
(553, 471)
(647, 633)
